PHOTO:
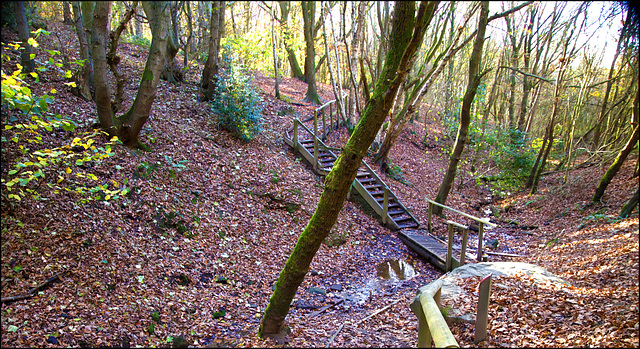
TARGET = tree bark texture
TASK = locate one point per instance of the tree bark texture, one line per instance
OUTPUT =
(337, 184)
(296, 71)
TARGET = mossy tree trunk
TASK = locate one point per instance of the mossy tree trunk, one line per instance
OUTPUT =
(465, 111)
(628, 207)
(407, 33)
(127, 127)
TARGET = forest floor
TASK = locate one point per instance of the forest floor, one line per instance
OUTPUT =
(194, 250)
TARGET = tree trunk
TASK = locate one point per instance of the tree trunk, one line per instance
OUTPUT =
(622, 155)
(353, 58)
(610, 81)
(66, 13)
(84, 77)
(296, 71)
(465, 111)
(275, 52)
(628, 207)
(212, 64)
(23, 35)
(308, 16)
(172, 72)
(397, 65)
(127, 127)
(113, 59)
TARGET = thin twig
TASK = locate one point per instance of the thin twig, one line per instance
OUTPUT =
(31, 291)
(334, 335)
(377, 312)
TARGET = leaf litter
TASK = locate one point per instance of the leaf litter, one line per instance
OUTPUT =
(193, 252)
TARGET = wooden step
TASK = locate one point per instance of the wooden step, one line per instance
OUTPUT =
(366, 180)
(404, 219)
(410, 225)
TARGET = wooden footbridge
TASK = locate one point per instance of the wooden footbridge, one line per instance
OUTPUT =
(378, 195)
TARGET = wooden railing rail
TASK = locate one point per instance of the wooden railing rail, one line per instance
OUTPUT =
(321, 109)
(431, 324)
(481, 223)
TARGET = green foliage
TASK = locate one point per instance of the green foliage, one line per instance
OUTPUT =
(236, 100)
(514, 155)
(137, 40)
(31, 160)
(8, 18)
(253, 50)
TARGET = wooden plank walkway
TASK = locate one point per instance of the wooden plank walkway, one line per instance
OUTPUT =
(428, 247)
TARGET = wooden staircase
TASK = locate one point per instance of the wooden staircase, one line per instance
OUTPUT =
(367, 183)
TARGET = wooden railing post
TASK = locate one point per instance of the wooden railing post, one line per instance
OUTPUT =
(431, 323)
(385, 205)
(463, 249)
(482, 315)
(295, 133)
(331, 115)
(480, 237)
(429, 218)
(324, 125)
(315, 141)
(449, 262)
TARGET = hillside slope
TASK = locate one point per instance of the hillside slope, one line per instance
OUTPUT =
(194, 250)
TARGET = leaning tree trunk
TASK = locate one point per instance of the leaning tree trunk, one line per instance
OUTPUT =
(465, 111)
(617, 163)
(628, 207)
(337, 184)
(127, 127)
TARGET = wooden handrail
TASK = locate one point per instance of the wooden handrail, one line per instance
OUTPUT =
(431, 323)
(481, 223)
(479, 220)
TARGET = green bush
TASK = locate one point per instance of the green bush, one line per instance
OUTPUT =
(236, 100)
(514, 155)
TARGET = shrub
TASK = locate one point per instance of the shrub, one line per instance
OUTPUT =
(32, 161)
(236, 100)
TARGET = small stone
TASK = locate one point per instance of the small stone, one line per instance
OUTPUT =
(316, 290)
(180, 342)
(52, 340)
(336, 287)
